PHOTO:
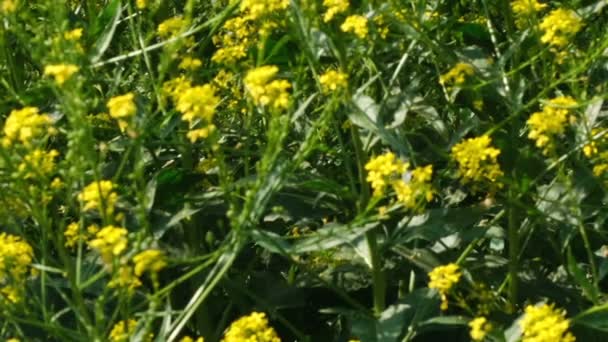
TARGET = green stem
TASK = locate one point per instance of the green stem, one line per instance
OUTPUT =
(513, 258)
(590, 255)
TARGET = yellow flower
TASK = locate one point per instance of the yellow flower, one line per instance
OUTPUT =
(333, 80)
(172, 27)
(190, 63)
(121, 332)
(544, 323)
(264, 90)
(110, 242)
(251, 328)
(334, 7)
(526, 7)
(237, 35)
(457, 75)
(559, 27)
(480, 327)
(38, 163)
(356, 24)
(122, 108)
(125, 279)
(198, 103)
(61, 72)
(259, 8)
(74, 34)
(550, 122)
(98, 195)
(175, 87)
(8, 6)
(141, 4)
(190, 339)
(25, 125)
(72, 234)
(477, 160)
(151, 260)
(443, 278)
(418, 190)
(16, 255)
(383, 170)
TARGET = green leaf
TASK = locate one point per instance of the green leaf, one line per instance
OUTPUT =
(107, 22)
(579, 276)
(595, 318)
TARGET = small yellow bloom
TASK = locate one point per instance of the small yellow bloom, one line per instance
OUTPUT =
(141, 4)
(190, 339)
(25, 125)
(383, 170)
(190, 63)
(122, 108)
(265, 90)
(443, 278)
(551, 122)
(356, 24)
(61, 72)
(74, 34)
(38, 163)
(480, 327)
(121, 332)
(125, 279)
(333, 80)
(545, 323)
(254, 327)
(559, 27)
(151, 260)
(457, 75)
(72, 234)
(477, 160)
(98, 195)
(261, 8)
(8, 6)
(110, 242)
(334, 7)
(172, 27)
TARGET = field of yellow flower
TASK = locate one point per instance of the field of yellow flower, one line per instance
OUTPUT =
(304, 170)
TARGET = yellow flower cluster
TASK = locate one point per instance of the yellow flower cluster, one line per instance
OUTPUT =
(387, 169)
(8, 6)
(477, 161)
(38, 163)
(524, 10)
(597, 152)
(197, 105)
(99, 196)
(545, 323)
(257, 9)
(238, 34)
(122, 109)
(333, 80)
(171, 27)
(551, 122)
(141, 4)
(526, 7)
(334, 7)
(442, 279)
(418, 190)
(73, 234)
(457, 75)
(356, 24)
(16, 256)
(123, 330)
(265, 90)
(110, 242)
(175, 87)
(190, 339)
(74, 34)
(480, 327)
(151, 260)
(559, 27)
(190, 63)
(251, 328)
(25, 125)
(384, 170)
(61, 72)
